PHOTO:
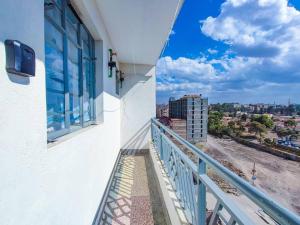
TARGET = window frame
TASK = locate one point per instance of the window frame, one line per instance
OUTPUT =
(62, 28)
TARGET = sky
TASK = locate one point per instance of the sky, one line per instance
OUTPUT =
(245, 51)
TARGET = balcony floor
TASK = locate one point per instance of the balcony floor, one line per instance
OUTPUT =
(133, 196)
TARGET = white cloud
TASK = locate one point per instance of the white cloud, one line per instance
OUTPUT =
(256, 28)
(212, 51)
(263, 58)
(185, 68)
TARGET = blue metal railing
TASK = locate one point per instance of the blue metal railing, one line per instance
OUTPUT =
(191, 184)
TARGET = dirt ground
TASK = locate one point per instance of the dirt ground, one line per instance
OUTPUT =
(277, 177)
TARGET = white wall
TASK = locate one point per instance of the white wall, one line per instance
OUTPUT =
(137, 105)
(62, 184)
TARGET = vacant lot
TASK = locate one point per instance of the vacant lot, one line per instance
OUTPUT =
(277, 177)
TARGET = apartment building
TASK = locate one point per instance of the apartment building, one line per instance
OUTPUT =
(162, 110)
(194, 110)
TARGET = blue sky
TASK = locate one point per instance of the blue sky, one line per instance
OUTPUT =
(233, 51)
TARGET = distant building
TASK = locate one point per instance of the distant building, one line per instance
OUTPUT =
(162, 111)
(194, 110)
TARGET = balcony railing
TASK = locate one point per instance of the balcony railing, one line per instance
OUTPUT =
(191, 184)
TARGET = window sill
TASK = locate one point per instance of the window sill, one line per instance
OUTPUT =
(73, 134)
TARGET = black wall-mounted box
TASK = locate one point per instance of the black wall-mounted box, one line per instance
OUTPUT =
(20, 58)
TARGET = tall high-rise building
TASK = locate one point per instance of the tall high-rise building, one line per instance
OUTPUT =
(194, 110)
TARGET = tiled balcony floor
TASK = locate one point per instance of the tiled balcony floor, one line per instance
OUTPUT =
(133, 197)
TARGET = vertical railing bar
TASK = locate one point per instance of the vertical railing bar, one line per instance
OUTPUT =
(183, 185)
(232, 221)
(161, 143)
(179, 164)
(187, 187)
(152, 131)
(194, 213)
(180, 180)
(190, 189)
(193, 193)
(176, 170)
(172, 164)
(214, 217)
(201, 194)
(177, 185)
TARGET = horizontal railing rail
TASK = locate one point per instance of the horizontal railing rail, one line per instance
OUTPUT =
(191, 183)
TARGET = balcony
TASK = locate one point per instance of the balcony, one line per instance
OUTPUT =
(169, 184)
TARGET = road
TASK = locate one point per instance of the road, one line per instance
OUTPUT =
(277, 177)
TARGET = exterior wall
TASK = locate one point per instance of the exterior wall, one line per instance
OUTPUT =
(137, 105)
(60, 183)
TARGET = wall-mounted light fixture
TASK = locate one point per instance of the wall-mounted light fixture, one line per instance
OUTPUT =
(120, 77)
(112, 62)
(20, 58)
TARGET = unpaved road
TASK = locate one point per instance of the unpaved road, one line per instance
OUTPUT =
(277, 177)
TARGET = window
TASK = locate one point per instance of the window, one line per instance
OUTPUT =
(70, 69)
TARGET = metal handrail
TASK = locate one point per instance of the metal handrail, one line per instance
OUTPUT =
(273, 209)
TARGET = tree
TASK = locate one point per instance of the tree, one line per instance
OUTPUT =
(290, 123)
(268, 141)
(215, 125)
(240, 128)
(263, 119)
(244, 117)
(231, 125)
(258, 128)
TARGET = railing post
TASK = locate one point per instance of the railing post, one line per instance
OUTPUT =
(152, 130)
(161, 144)
(201, 204)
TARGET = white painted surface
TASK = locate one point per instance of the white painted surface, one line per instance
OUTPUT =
(139, 29)
(137, 105)
(62, 184)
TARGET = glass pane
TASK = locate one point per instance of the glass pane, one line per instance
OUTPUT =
(58, 2)
(73, 73)
(53, 36)
(84, 35)
(86, 50)
(71, 17)
(75, 110)
(87, 90)
(72, 24)
(54, 79)
(71, 32)
(73, 53)
(55, 111)
(53, 12)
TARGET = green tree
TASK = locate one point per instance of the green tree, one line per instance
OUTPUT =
(231, 125)
(291, 123)
(215, 125)
(257, 128)
(240, 128)
(263, 119)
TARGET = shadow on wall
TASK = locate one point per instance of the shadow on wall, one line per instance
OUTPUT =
(134, 74)
(18, 79)
(138, 139)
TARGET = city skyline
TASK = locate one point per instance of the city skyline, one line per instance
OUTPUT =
(215, 50)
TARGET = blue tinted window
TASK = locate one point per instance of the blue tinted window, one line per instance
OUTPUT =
(69, 62)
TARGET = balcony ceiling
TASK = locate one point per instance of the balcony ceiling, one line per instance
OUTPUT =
(138, 29)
